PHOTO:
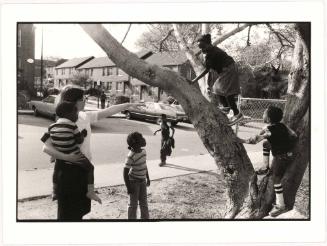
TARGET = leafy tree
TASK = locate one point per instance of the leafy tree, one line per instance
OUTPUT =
(81, 79)
(211, 124)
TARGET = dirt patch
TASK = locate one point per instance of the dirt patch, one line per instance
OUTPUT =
(193, 196)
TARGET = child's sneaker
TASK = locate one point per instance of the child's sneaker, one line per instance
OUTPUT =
(277, 210)
(235, 119)
(262, 171)
(91, 195)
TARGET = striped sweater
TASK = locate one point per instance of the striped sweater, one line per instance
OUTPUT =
(136, 162)
(65, 136)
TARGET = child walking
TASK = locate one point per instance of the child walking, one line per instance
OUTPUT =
(281, 141)
(136, 176)
(66, 138)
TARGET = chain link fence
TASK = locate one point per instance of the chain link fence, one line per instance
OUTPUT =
(253, 108)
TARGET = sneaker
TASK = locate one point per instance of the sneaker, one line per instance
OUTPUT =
(162, 164)
(225, 110)
(235, 119)
(277, 210)
(93, 196)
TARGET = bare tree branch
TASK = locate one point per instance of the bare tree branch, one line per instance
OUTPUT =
(280, 37)
(129, 28)
(164, 39)
(248, 43)
(226, 36)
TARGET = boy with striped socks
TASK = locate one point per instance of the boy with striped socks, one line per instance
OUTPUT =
(281, 141)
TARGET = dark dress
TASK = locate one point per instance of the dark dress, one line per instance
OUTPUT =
(71, 192)
(165, 146)
(223, 76)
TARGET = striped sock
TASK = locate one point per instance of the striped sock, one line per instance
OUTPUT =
(279, 195)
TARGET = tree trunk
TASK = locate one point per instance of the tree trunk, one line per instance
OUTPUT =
(211, 125)
(296, 116)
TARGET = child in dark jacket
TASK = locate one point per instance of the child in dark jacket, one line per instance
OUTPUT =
(281, 140)
(136, 176)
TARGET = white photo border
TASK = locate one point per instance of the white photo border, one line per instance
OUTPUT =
(164, 232)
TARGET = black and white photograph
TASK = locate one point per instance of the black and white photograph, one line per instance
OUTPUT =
(145, 122)
(196, 121)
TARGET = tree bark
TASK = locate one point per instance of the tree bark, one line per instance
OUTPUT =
(296, 116)
(211, 125)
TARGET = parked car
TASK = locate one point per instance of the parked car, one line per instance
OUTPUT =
(152, 111)
(46, 107)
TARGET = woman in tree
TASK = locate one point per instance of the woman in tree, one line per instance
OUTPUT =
(223, 82)
(72, 180)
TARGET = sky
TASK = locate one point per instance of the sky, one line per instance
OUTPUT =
(70, 41)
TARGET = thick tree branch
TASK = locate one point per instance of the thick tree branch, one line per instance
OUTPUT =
(195, 62)
(164, 39)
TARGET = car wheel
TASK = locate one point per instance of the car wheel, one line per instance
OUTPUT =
(35, 112)
(128, 115)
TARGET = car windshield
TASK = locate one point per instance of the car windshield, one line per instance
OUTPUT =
(164, 107)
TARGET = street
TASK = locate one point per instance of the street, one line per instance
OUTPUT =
(109, 141)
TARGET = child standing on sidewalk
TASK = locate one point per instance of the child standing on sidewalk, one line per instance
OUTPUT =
(281, 140)
(66, 138)
(136, 176)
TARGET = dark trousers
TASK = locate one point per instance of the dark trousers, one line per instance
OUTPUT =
(229, 102)
(70, 208)
(163, 151)
(71, 192)
(139, 195)
(85, 164)
(279, 165)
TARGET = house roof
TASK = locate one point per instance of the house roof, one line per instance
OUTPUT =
(171, 58)
(98, 62)
(106, 62)
(75, 62)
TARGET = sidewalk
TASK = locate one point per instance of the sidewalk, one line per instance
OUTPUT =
(38, 183)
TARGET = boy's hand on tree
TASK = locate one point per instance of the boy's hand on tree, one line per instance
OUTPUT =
(148, 182)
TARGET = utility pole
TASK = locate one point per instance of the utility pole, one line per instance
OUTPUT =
(41, 85)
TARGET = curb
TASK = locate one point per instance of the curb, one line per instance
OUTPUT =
(25, 112)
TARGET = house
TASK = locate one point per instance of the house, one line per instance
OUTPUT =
(64, 73)
(25, 57)
(105, 75)
(175, 60)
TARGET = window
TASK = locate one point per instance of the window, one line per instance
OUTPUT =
(117, 71)
(19, 41)
(109, 86)
(49, 99)
(110, 71)
(62, 71)
(117, 84)
(91, 71)
(103, 71)
(70, 70)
